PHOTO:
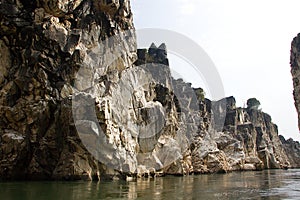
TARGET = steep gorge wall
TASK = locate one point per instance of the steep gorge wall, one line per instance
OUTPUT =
(79, 101)
(295, 70)
(43, 45)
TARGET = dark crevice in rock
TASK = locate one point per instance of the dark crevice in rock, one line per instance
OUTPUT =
(137, 121)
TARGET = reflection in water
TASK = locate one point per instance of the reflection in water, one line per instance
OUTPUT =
(271, 184)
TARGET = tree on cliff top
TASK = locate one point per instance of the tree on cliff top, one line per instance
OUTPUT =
(199, 93)
(253, 103)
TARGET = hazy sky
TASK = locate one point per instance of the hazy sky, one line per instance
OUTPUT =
(249, 42)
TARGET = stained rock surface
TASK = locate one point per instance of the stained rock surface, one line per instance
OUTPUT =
(295, 71)
(78, 100)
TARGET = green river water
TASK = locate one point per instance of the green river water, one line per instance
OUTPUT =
(269, 184)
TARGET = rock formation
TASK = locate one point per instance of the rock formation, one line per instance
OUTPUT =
(78, 100)
(292, 150)
(43, 45)
(295, 70)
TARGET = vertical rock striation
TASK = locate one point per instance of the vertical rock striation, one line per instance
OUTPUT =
(43, 45)
(79, 101)
(295, 70)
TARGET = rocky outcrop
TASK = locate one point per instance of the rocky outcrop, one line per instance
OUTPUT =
(43, 45)
(295, 70)
(79, 101)
(292, 149)
(243, 139)
(248, 140)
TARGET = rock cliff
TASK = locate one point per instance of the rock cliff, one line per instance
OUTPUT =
(43, 45)
(80, 101)
(295, 70)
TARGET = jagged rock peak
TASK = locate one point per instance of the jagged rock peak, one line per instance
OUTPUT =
(153, 55)
(163, 46)
(162, 49)
(153, 46)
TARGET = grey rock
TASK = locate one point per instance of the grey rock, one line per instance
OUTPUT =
(78, 101)
(295, 71)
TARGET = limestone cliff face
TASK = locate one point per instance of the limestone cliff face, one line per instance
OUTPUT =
(79, 101)
(292, 149)
(248, 140)
(245, 139)
(43, 45)
(295, 70)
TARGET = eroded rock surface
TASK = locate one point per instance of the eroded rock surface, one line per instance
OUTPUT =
(295, 70)
(43, 45)
(79, 101)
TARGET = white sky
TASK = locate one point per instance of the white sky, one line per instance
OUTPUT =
(249, 42)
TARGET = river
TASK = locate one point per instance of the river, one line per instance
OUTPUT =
(268, 184)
